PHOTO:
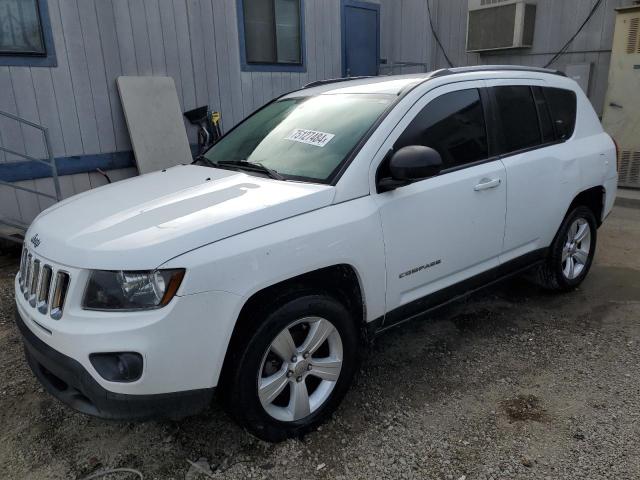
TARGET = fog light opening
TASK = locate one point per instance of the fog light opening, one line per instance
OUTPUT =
(123, 367)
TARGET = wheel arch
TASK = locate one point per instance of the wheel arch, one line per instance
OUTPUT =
(593, 198)
(341, 281)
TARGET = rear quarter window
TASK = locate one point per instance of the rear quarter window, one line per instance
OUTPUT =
(563, 107)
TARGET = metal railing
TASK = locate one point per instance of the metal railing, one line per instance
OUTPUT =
(50, 162)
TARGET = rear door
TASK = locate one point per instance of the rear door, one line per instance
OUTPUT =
(528, 145)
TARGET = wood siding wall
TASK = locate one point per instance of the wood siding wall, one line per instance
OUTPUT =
(196, 42)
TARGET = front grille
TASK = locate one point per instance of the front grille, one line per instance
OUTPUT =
(36, 280)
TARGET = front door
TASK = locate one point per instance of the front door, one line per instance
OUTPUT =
(360, 38)
(443, 230)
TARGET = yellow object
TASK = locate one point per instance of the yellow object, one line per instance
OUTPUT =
(215, 117)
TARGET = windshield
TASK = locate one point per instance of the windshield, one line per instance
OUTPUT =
(302, 138)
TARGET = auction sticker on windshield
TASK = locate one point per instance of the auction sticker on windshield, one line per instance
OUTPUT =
(310, 137)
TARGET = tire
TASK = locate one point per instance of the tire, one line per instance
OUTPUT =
(569, 248)
(265, 392)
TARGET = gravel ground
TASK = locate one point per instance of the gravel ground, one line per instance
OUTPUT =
(513, 383)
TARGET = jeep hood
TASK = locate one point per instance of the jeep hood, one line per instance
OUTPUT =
(144, 221)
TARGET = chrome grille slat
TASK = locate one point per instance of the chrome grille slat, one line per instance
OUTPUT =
(59, 294)
(33, 285)
(43, 285)
(42, 299)
(23, 266)
(27, 278)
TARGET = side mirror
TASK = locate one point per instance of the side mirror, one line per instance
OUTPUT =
(410, 164)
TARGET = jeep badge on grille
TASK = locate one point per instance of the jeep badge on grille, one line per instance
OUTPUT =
(35, 240)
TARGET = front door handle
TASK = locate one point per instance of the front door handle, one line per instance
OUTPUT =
(487, 183)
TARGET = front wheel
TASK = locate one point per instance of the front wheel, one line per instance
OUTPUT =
(294, 370)
(571, 253)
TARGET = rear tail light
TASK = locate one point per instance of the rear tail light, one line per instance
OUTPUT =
(42, 299)
(59, 295)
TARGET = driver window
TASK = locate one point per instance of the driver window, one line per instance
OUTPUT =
(453, 124)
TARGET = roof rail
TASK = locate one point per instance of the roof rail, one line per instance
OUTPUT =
(488, 68)
(333, 80)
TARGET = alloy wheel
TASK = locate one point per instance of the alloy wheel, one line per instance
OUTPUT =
(575, 253)
(300, 369)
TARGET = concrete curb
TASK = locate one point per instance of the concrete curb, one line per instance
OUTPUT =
(627, 202)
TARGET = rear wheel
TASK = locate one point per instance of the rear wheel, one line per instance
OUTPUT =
(294, 370)
(571, 253)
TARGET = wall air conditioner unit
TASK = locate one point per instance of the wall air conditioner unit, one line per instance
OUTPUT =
(500, 25)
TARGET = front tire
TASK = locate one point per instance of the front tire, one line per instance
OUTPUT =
(571, 253)
(294, 369)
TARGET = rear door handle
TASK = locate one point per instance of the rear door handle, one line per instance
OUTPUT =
(487, 183)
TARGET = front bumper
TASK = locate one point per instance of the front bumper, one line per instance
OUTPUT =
(68, 381)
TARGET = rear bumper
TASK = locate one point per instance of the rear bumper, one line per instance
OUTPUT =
(610, 190)
(68, 381)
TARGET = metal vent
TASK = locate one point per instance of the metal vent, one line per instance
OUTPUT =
(632, 39)
(529, 24)
(629, 169)
(500, 24)
(491, 28)
(491, 2)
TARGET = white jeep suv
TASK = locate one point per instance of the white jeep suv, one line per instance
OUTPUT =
(331, 214)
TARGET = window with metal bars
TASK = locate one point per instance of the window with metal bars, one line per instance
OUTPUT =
(271, 34)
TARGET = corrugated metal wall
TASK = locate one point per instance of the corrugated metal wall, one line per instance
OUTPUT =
(407, 37)
(196, 42)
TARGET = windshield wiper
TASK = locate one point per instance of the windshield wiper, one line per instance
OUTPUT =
(249, 166)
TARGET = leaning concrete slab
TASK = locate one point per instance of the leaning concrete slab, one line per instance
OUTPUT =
(155, 122)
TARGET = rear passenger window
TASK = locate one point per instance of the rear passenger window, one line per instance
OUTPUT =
(562, 105)
(546, 125)
(516, 109)
(453, 124)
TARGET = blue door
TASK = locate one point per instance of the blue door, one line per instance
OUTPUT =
(360, 38)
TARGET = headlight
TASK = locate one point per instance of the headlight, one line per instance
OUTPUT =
(109, 290)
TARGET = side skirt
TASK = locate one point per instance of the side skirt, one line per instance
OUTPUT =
(457, 291)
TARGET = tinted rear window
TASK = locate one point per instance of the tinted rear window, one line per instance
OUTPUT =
(546, 124)
(562, 105)
(516, 109)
